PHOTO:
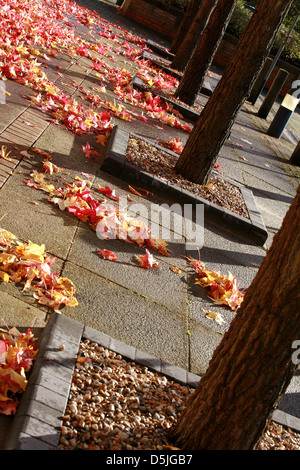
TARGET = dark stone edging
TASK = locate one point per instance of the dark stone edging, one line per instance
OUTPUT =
(159, 49)
(115, 163)
(149, 56)
(36, 425)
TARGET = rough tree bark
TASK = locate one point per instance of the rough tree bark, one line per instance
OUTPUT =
(197, 27)
(198, 65)
(214, 124)
(192, 8)
(253, 365)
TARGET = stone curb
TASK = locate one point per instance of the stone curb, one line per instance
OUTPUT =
(115, 163)
(286, 420)
(159, 49)
(36, 425)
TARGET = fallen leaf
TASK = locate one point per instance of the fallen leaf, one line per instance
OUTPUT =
(223, 288)
(82, 359)
(25, 154)
(28, 263)
(28, 123)
(175, 270)
(209, 186)
(134, 191)
(147, 261)
(214, 316)
(49, 167)
(106, 254)
(108, 192)
(174, 144)
(88, 150)
(41, 152)
(4, 154)
(5, 91)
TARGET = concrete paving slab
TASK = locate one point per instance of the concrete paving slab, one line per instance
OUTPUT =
(40, 223)
(128, 316)
(237, 251)
(203, 342)
(66, 150)
(126, 271)
(20, 313)
(15, 105)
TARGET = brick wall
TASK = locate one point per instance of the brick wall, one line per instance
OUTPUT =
(164, 20)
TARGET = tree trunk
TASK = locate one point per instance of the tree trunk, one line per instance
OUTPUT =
(202, 57)
(192, 8)
(213, 126)
(187, 46)
(253, 365)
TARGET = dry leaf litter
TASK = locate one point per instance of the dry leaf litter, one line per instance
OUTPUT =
(153, 160)
(115, 404)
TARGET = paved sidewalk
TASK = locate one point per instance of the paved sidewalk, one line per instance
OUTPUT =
(158, 312)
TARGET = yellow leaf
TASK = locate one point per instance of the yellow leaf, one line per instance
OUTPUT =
(175, 270)
(34, 251)
(4, 276)
(215, 316)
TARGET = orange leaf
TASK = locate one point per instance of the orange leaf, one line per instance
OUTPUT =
(135, 192)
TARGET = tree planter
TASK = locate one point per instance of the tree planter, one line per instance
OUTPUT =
(116, 164)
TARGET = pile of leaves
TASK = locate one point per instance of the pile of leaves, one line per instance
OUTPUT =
(17, 353)
(223, 288)
(108, 220)
(174, 144)
(29, 264)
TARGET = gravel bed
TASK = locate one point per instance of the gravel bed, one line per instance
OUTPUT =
(115, 404)
(152, 159)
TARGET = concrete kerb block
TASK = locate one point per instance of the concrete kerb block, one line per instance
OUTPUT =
(161, 50)
(253, 227)
(286, 420)
(129, 172)
(145, 179)
(165, 68)
(258, 228)
(27, 442)
(116, 149)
